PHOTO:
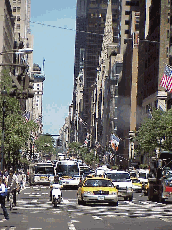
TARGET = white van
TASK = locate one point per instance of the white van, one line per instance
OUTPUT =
(123, 183)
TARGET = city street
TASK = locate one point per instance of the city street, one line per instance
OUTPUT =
(35, 211)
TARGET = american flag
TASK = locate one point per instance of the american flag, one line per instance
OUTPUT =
(166, 81)
(114, 142)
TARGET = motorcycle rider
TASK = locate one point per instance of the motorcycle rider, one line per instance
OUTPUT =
(56, 181)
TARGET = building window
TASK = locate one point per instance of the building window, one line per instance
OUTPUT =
(14, 1)
(132, 3)
(127, 31)
(37, 88)
(37, 84)
(19, 1)
(18, 18)
(127, 12)
(18, 9)
(18, 26)
(36, 104)
(14, 9)
(127, 22)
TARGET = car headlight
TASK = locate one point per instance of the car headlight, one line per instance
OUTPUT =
(88, 193)
(113, 193)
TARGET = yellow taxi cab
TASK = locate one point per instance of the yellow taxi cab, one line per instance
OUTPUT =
(97, 190)
(136, 185)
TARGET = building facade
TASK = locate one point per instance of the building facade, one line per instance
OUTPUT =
(7, 32)
(90, 23)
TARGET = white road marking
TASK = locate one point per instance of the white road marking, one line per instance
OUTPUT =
(33, 207)
(35, 228)
(71, 226)
(35, 195)
(97, 218)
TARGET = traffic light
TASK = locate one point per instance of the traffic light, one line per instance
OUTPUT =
(31, 91)
(59, 142)
(13, 91)
(28, 86)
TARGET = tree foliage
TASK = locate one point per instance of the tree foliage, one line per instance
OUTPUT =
(45, 144)
(84, 153)
(16, 129)
(155, 132)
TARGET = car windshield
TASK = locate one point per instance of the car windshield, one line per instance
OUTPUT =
(142, 175)
(98, 183)
(133, 174)
(118, 176)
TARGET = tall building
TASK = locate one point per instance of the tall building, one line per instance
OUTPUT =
(6, 32)
(23, 38)
(36, 101)
(154, 54)
(127, 84)
(90, 23)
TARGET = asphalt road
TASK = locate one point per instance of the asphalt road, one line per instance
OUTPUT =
(35, 211)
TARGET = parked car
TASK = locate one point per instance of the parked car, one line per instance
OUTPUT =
(97, 190)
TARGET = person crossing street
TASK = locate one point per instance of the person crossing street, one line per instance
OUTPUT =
(12, 184)
(2, 199)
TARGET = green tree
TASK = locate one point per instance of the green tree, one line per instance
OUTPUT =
(155, 132)
(45, 144)
(16, 129)
(84, 153)
(74, 148)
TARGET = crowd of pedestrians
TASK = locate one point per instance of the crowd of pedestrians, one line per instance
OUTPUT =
(10, 182)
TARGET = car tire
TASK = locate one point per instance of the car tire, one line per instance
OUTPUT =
(130, 198)
(79, 202)
(113, 203)
(55, 203)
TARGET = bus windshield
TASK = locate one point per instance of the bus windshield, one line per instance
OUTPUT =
(44, 170)
(67, 170)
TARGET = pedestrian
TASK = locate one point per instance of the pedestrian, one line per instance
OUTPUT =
(23, 181)
(2, 199)
(12, 184)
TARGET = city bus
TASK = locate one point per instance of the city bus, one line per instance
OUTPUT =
(68, 172)
(41, 173)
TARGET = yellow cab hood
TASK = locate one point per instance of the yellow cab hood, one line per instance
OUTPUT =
(110, 189)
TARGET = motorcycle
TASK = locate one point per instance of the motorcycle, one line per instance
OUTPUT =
(56, 194)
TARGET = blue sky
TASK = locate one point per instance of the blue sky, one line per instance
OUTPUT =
(57, 47)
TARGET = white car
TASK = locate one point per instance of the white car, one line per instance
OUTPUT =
(70, 182)
(123, 183)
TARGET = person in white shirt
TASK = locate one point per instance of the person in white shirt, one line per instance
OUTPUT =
(2, 199)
